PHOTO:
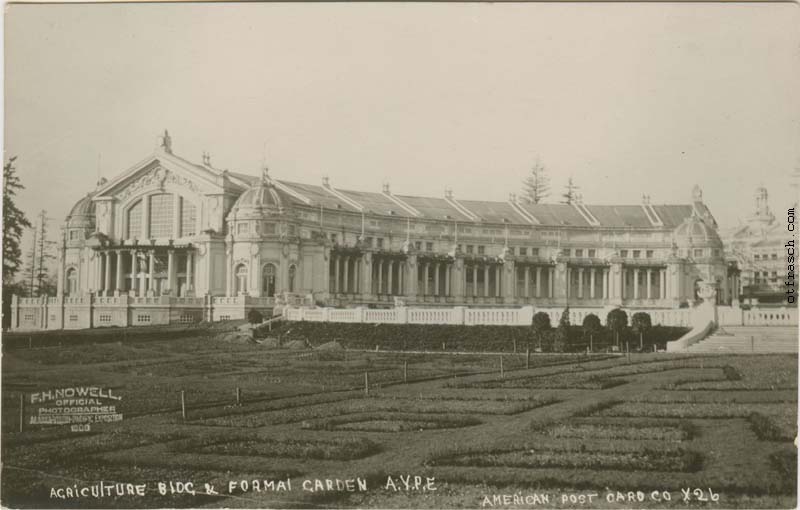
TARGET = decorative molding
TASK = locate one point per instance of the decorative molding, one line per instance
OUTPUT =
(156, 178)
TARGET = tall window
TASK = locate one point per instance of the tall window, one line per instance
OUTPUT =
(292, 274)
(268, 283)
(241, 278)
(161, 215)
(72, 281)
(188, 218)
(135, 221)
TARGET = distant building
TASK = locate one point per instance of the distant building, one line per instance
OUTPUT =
(757, 248)
(168, 240)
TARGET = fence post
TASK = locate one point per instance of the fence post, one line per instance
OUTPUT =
(366, 383)
(528, 357)
(238, 396)
(515, 345)
(405, 371)
(183, 405)
(21, 412)
(444, 346)
(502, 373)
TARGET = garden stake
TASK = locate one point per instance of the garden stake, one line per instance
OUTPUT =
(183, 405)
(528, 357)
(238, 396)
(366, 383)
(21, 412)
(30, 343)
(405, 371)
(444, 346)
(752, 344)
(502, 375)
(515, 345)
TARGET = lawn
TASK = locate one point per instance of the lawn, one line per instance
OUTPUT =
(567, 426)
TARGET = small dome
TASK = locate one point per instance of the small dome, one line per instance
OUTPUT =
(259, 200)
(697, 233)
(82, 214)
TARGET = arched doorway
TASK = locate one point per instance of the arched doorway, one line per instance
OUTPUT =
(268, 280)
(241, 279)
(72, 281)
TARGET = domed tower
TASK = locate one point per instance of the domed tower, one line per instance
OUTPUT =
(80, 222)
(262, 242)
(762, 216)
(699, 243)
(74, 254)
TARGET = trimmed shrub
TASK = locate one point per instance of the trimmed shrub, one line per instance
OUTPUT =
(254, 316)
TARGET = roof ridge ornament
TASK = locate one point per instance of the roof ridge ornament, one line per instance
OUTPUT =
(166, 142)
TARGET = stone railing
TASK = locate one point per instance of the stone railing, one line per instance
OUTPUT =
(459, 315)
(735, 316)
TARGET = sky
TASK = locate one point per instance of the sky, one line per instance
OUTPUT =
(627, 99)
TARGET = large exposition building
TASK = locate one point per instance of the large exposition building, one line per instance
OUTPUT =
(173, 241)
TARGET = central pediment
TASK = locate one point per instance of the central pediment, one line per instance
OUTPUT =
(162, 170)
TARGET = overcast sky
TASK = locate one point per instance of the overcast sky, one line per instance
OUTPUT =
(625, 98)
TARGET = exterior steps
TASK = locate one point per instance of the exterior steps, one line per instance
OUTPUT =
(749, 339)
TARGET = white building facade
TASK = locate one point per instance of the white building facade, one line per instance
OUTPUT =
(170, 241)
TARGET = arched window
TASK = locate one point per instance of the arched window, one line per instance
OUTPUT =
(241, 278)
(188, 218)
(161, 215)
(135, 221)
(292, 274)
(268, 280)
(72, 281)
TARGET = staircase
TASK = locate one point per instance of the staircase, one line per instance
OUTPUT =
(737, 339)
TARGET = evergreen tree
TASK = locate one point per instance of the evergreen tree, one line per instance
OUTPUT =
(44, 258)
(571, 193)
(561, 341)
(591, 326)
(536, 187)
(14, 223)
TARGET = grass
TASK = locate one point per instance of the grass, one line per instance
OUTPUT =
(390, 422)
(580, 458)
(570, 422)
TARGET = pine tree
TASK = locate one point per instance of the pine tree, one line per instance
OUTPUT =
(571, 192)
(46, 247)
(14, 223)
(536, 187)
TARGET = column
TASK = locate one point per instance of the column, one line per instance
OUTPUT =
(568, 276)
(119, 284)
(151, 269)
(380, 277)
(649, 283)
(527, 293)
(606, 283)
(550, 279)
(107, 281)
(662, 283)
(171, 272)
(357, 276)
(390, 267)
(591, 283)
(190, 273)
(134, 263)
(425, 276)
(474, 280)
(447, 269)
(636, 283)
(623, 293)
(142, 276)
(346, 283)
(580, 283)
(335, 262)
(498, 275)
(436, 279)
(538, 281)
